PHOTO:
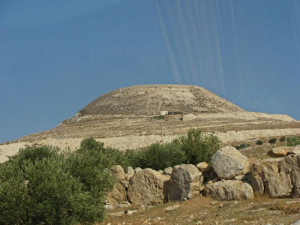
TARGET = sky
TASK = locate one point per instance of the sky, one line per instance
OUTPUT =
(57, 56)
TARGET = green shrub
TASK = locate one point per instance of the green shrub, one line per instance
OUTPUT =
(241, 146)
(89, 164)
(198, 147)
(293, 141)
(160, 117)
(272, 140)
(282, 139)
(193, 148)
(159, 156)
(37, 188)
(259, 142)
(106, 157)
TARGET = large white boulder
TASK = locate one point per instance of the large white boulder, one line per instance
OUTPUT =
(230, 190)
(228, 162)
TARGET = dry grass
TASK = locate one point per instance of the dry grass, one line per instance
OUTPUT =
(261, 210)
(288, 208)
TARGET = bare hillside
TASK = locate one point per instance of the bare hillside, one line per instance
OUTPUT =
(152, 99)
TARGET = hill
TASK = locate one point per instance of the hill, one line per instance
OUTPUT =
(130, 118)
(152, 99)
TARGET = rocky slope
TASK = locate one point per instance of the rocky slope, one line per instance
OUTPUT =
(243, 191)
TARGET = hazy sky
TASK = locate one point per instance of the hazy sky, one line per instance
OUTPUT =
(56, 56)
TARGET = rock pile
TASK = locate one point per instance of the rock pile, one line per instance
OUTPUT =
(230, 177)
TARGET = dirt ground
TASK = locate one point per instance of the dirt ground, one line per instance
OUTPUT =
(204, 210)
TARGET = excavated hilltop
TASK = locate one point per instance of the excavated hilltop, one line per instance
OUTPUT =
(134, 117)
(153, 99)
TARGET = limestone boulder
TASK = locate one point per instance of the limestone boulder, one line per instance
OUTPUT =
(117, 195)
(186, 181)
(203, 166)
(147, 188)
(228, 163)
(295, 150)
(230, 190)
(138, 169)
(277, 177)
(130, 173)
(279, 151)
(168, 171)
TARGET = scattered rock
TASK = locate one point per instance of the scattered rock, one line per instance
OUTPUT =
(168, 171)
(228, 162)
(230, 190)
(130, 212)
(279, 151)
(203, 166)
(116, 214)
(172, 207)
(138, 169)
(108, 207)
(146, 188)
(186, 181)
(124, 205)
(277, 177)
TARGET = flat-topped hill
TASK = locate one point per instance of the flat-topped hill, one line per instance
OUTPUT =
(127, 119)
(152, 99)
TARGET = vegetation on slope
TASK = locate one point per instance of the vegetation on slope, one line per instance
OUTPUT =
(293, 141)
(41, 185)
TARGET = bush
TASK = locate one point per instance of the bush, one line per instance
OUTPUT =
(293, 141)
(282, 139)
(272, 140)
(105, 157)
(160, 117)
(193, 148)
(36, 188)
(198, 147)
(241, 146)
(259, 142)
(159, 156)
(89, 164)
